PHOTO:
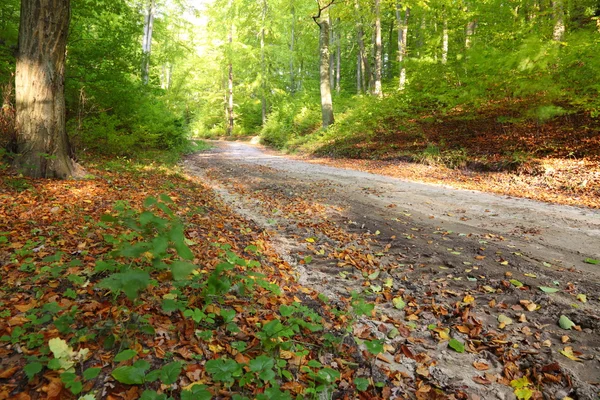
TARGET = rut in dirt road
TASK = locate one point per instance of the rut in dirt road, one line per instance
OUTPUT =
(442, 266)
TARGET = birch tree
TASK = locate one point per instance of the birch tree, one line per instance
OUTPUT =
(147, 39)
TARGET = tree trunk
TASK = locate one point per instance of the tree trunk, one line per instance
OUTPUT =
(445, 41)
(359, 86)
(42, 143)
(326, 101)
(366, 70)
(402, 41)
(331, 53)
(470, 31)
(293, 38)
(378, 91)
(263, 84)
(147, 40)
(231, 117)
(338, 60)
(558, 34)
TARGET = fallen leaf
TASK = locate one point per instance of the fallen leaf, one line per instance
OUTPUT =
(570, 354)
(565, 323)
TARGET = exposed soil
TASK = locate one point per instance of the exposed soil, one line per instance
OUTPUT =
(458, 259)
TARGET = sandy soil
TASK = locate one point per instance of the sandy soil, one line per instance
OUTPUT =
(457, 258)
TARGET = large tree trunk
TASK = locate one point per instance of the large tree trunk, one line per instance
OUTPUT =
(325, 71)
(378, 91)
(147, 40)
(42, 145)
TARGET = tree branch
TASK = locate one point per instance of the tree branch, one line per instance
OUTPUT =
(321, 9)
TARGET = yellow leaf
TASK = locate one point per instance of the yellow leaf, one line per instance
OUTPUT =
(568, 352)
(468, 299)
(310, 240)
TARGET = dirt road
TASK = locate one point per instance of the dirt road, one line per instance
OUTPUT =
(465, 265)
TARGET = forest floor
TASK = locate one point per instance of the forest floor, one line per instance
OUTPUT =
(310, 279)
(442, 265)
(555, 161)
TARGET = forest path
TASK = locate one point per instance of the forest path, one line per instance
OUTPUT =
(434, 246)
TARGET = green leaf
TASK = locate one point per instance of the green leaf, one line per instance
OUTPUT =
(362, 384)
(516, 283)
(457, 346)
(398, 303)
(261, 363)
(91, 373)
(591, 261)
(523, 393)
(71, 382)
(130, 282)
(32, 369)
(223, 370)
(170, 372)
(181, 270)
(152, 395)
(565, 323)
(374, 346)
(125, 355)
(328, 375)
(547, 289)
(228, 315)
(197, 392)
(520, 383)
(149, 202)
(129, 375)
(374, 275)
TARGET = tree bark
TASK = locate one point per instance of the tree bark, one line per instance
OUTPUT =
(338, 61)
(402, 42)
(378, 91)
(445, 41)
(147, 40)
(366, 69)
(42, 143)
(230, 115)
(292, 42)
(322, 19)
(359, 85)
(558, 34)
(263, 83)
(331, 53)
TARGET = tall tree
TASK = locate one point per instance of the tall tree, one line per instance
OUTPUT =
(43, 149)
(402, 42)
(147, 39)
(322, 20)
(378, 91)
